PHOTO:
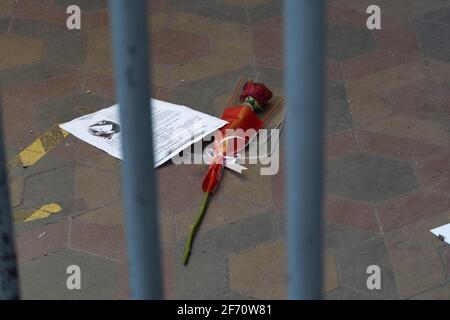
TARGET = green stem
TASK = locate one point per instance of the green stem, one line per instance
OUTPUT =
(194, 228)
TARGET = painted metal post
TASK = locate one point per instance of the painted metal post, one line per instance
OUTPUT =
(131, 62)
(9, 283)
(304, 82)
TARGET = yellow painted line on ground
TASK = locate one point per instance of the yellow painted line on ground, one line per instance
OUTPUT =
(42, 145)
(32, 214)
(39, 148)
(32, 153)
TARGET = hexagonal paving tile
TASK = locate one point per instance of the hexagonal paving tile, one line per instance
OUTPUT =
(172, 47)
(248, 3)
(6, 6)
(338, 113)
(370, 178)
(106, 241)
(4, 24)
(98, 48)
(347, 42)
(411, 208)
(425, 97)
(414, 253)
(230, 48)
(96, 187)
(42, 12)
(351, 213)
(433, 34)
(398, 8)
(221, 212)
(33, 242)
(367, 93)
(259, 273)
(84, 4)
(353, 263)
(425, 130)
(17, 50)
(55, 185)
(45, 278)
(267, 42)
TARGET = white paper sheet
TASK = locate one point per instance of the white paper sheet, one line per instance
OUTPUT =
(443, 231)
(175, 128)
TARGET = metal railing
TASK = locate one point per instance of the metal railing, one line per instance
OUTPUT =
(131, 63)
(9, 280)
(304, 82)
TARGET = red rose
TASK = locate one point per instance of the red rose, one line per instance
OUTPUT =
(257, 91)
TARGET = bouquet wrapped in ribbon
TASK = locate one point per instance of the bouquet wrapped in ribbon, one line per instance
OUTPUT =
(229, 140)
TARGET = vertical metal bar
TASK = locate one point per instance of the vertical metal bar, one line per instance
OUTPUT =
(131, 63)
(304, 81)
(9, 283)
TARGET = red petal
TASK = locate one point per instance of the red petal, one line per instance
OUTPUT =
(258, 91)
(212, 178)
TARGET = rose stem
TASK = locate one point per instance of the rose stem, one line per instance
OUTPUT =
(194, 228)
